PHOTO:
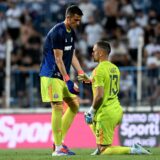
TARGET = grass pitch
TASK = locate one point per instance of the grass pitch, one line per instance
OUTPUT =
(81, 154)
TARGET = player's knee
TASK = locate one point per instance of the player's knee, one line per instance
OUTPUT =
(73, 104)
(102, 148)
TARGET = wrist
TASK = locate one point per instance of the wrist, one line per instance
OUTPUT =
(92, 110)
(80, 72)
(66, 78)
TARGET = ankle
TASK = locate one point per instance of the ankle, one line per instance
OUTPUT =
(58, 147)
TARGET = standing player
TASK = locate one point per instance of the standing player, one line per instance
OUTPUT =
(106, 112)
(56, 86)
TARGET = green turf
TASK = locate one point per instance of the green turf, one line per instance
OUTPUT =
(82, 154)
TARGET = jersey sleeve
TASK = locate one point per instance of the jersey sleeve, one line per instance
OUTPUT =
(58, 40)
(98, 77)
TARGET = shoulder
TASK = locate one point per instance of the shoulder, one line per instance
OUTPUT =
(99, 70)
(103, 65)
(114, 68)
(59, 28)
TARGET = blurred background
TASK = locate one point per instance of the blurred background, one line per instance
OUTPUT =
(133, 29)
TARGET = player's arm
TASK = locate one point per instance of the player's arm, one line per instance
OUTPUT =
(98, 84)
(76, 64)
(81, 75)
(98, 98)
(59, 61)
(58, 54)
(97, 101)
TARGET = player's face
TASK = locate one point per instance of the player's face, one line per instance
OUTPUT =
(74, 21)
(95, 53)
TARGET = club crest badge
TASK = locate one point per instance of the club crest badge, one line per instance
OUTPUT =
(55, 95)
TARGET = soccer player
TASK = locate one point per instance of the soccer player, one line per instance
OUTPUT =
(106, 112)
(56, 85)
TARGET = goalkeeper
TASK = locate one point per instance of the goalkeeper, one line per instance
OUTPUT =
(56, 86)
(106, 112)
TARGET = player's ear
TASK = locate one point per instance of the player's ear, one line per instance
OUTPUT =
(68, 17)
(100, 53)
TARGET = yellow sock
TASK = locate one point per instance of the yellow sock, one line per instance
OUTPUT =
(56, 122)
(67, 120)
(117, 150)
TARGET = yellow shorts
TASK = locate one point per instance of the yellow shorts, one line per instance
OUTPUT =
(104, 129)
(54, 90)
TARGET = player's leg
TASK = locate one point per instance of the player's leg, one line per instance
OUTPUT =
(138, 149)
(56, 122)
(135, 149)
(105, 133)
(73, 106)
(52, 91)
(68, 117)
(104, 138)
(59, 148)
(115, 119)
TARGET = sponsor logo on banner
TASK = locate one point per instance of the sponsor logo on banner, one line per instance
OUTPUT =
(34, 131)
(143, 128)
(28, 131)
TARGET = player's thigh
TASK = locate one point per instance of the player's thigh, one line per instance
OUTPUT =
(71, 99)
(67, 94)
(119, 118)
(51, 89)
(104, 132)
(116, 116)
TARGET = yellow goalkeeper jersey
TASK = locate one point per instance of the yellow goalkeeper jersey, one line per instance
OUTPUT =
(107, 75)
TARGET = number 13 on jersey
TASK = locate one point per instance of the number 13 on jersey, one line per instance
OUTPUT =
(114, 84)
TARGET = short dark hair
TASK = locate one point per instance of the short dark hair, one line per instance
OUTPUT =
(73, 9)
(104, 45)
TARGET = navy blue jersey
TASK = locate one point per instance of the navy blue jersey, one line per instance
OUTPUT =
(57, 38)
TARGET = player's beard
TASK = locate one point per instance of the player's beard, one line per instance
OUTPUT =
(74, 26)
(95, 59)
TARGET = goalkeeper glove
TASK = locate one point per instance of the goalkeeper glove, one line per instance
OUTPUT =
(83, 77)
(89, 116)
(72, 87)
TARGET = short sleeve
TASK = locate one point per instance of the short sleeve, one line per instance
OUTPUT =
(98, 78)
(57, 39)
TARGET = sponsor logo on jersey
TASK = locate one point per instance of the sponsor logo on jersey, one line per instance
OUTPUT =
(67, 48)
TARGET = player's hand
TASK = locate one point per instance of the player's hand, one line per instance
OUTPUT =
(84, 78)
(72, 87)
(88, 117)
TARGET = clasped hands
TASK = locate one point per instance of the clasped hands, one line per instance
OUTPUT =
(73, 87)
(84, 78)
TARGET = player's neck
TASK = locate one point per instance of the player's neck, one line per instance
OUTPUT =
(103, 59)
